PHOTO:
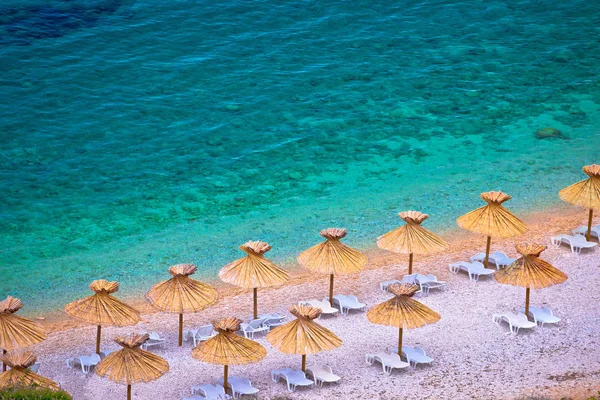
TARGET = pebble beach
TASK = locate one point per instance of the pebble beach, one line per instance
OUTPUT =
(474, 357)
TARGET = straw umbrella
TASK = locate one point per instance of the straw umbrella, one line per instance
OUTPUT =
(402, 311)
(530, 271)
(17, 331)
(303, 335)
(585, 193)
(253, 270)
(182, 294)
(19, 374)
(103, 309)
(332, 257)
(492, 220)
(131, 364)
(227, 348)
(411, 238)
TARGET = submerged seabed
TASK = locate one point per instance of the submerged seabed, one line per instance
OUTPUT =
(139, 134)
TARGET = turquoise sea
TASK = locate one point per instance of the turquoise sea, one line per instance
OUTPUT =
(137, 134)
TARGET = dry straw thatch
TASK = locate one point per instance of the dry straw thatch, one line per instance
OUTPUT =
(131, 364)
(585, 193)
(182, 294)
(332, 257)
(19, 373)
(492, 220)
(228, 348)
(16, 331)
(254, 270)
(102, 309)
(303, 335)
(411, 238)
(402, 311)
(530, 271)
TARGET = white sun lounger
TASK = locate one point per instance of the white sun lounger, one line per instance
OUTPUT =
(273, 319)
(347, 303)
(35, 367)
(324, 306)
(321, 374)
(577, 242)
(582, 230)
(85, 362)
(498, 258)
(239, 386)
(515, 321)
(105, 353)
(254, 326)
(211, 392)
(414, 355)
(201, 334)
(388, 361)
(154, 341)
(474, 269)
(428, 282)
(293, 378)
(410, 279)
(542, 316)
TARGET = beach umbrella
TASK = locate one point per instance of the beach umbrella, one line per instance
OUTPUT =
(19, 373)
(402, 311)
(103, 309)
(303, 335)
(332, 257)
(253, 271)
(182, 294)
(530, 271)
(131, 364)
(227, 348)
(492, 220)
(411, 238)
(585, 193)
(17, 331)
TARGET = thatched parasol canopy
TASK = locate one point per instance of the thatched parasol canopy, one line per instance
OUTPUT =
(303, 336)
(228, 348)
(530, 271)
(333, 257)
(253, 270)
(585, 193)
(17, 331)
(492, 220)
(182, 294)
(19, 373)
(103, 309)
(131, 364)
(402, 311)
(411, 238)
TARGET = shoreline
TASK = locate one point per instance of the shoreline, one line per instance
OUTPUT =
(562, 217)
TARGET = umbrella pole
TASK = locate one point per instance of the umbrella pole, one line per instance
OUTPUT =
(255, 303)
(400, 342)
(303, 362)
(589, 231)
(128, 392)
(410, 258)
(3, 365)
(225, 373)
(487, 251)
(180, 329)
(527, 302)
(331, 289)
(98, 334)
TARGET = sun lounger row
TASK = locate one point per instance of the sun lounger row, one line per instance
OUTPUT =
(582, 230)
(425, 282)
(262, 324)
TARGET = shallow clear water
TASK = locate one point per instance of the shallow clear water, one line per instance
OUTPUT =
(139, 134)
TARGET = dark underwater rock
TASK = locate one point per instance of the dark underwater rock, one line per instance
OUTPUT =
(549, 133)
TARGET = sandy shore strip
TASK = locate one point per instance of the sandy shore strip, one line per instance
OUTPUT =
(474, 357)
